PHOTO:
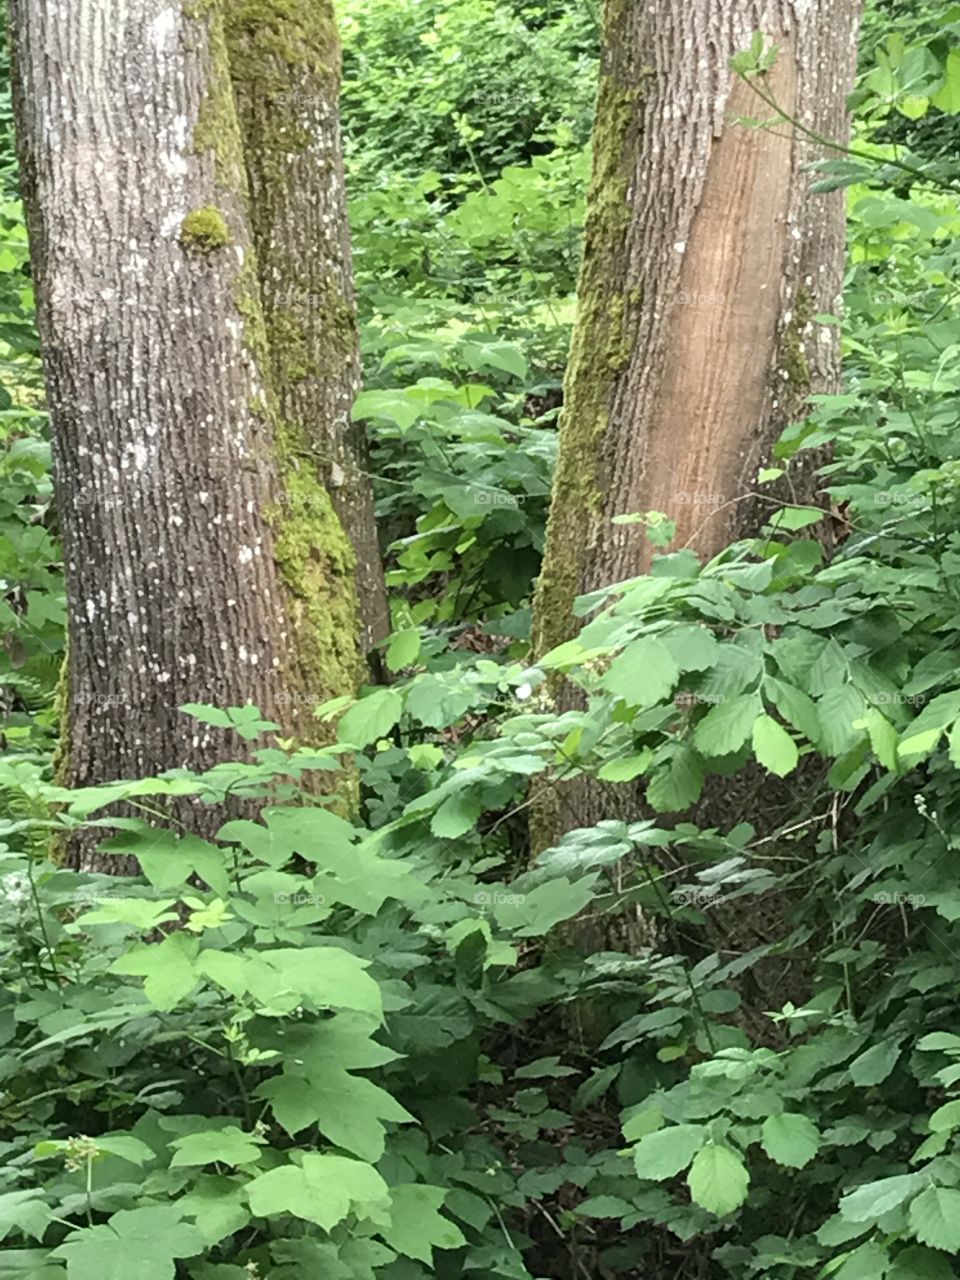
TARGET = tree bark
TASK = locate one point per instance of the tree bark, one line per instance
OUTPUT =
(706, 259)
(285, 67)
(173, 494)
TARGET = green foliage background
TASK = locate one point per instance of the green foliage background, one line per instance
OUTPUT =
(367, 1048)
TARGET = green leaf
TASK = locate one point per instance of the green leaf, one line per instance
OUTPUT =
(917, 1263)
(604, 1207)
(868, 1262)
(456, 816)
(874, 1199)
(348, 1109)
(625, 770)
(946, 1117)
(773, 746)
(796, 707)
(677, 786)
(718, 1179)
(416, 1227)
(934, 1218)
(168, 967)
(215, 1146)
(323, 1189)
(947, 97)
(535, 913)
(371, 718)
(404, 648)
(665, 1153)
(875, 1065)
(644, 674)
(727, 726)
(153, 1237)
(26, 1211)
(790, 1139)
(329, 976)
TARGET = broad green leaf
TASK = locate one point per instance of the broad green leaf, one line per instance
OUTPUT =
(168, 967)
(718, 1179)
(947, 97)
(790, 1139)
(727, 726)
(625, 770)
(456, 816)
(604, 1207)
(323, 1189)
(404, 649)
(25, 1210)
(868, 1262)
(371, 718)
(348, 1109)
(216, 1202)
(934, 1218)
(644, 674)
(946, 1117)
(917, 1263)
(874, 1199)
(666, 1152)
(328, 976)
(536, 912)
(215, 1146)
(416, 1226)
(153, 1237)
(773, 746)
(679, 784)
(873, 1066)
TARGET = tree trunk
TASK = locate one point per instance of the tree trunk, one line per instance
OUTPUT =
(175, 504)
(706, 260)
(285, 66)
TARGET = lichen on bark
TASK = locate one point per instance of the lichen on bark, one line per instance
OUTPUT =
(204, 230)
(311, 551)
(607, 307)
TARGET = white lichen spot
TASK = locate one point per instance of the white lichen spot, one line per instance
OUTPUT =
(246, 555)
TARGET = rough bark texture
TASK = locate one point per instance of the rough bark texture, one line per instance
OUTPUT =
(172, 505)
(285, 66)
(706, 259)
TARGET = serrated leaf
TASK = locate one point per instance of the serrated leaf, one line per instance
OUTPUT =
(169, 968)
(371, 718)
(790, 1139)
(154, 1236)
(404, 648)
(773, 746)
(229, 1145)
(946, 1117)
(625, 770)
(873, 1066)
(677, 786)
(727, 726)
(644, 674)
(416, 1225)
(666, 1152)
(323, 1189)
(718, 1179)
(874, 1199)
(934, 1218)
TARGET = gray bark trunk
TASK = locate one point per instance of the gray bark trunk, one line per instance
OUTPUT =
(706, 259)
(172, 505)
(285, 66)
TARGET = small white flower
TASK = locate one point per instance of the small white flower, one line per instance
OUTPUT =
(524, 691)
